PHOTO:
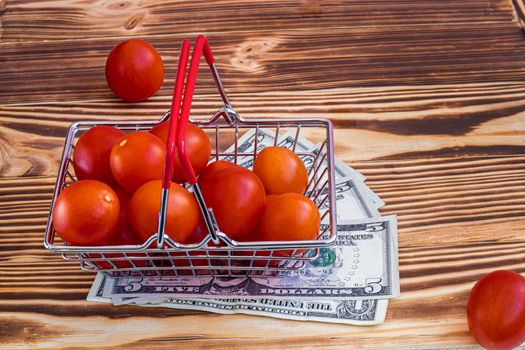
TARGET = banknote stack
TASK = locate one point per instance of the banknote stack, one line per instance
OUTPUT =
(350, 282)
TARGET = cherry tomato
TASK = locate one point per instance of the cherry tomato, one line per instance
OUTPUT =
(198, 261)
(134, 70)
(270, 198)
(201, 231)
(136, 159)
(86, 213)
(254, 237)
(198, 233)
(213, 167)
(496, 310)
(281, 171)
(261, 262)
(91, 154)
(237, 197)
(182, 214)
(117, 260)
(196, 236)
(198, 148)
(290, 217)
(124, 236)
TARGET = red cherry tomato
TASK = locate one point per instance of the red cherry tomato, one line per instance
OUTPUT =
(136, 159)
(182, 214)
(118, 261)
(270, 198)
(86, 213)
(91, 154)
(290, 217)
(254, 237)
(134, 70)
(237, 197)
(261, 262)
(123, 236)
(198, 233)
(198, 148)
(496, 310)
(196, 256)
(213, 167)
(281, 171)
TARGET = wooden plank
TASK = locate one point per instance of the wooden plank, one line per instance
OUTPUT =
(458, 219)
(52, 20)
(411, 122)
(292, 60)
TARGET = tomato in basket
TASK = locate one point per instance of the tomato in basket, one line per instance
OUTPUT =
(198, 233)
(86, 213)
(136, 159)
(237, 198)
(91, 154)
(263, 262)
(269, 199)
(196, 256)
(198, 148)
(213, 167)
(496, 310)
(182, 214)
(124, 236)
(134, 70)
(280, 170)
(245, 257)
(290, 217)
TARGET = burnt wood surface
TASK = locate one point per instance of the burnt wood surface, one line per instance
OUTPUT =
(428, 101)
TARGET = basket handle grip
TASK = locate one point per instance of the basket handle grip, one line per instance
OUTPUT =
(177, 129)
(178, 123)
(201, 47)
(175, 116)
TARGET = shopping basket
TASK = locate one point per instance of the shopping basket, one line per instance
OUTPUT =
(235, 139)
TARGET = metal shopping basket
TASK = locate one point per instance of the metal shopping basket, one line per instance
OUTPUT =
(230, 134)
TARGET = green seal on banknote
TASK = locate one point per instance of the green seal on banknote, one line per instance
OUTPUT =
(326, 258)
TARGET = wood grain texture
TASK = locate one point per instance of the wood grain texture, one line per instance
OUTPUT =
(52, 20)
(428, 102)
(289, 60)
(411, 122)
(459, 218)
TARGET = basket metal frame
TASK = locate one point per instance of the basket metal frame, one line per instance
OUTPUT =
(223, 255)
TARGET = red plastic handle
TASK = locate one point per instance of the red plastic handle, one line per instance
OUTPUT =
(201, 46)
(175, 111)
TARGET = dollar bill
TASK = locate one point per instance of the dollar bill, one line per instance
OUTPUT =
(352, 199)
(265, 137)
(362, 263)
(341, 169)
(351, 203)
(95, 292)
(346, 283)
(353, 312)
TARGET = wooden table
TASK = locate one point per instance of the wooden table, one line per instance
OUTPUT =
(428, 100)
